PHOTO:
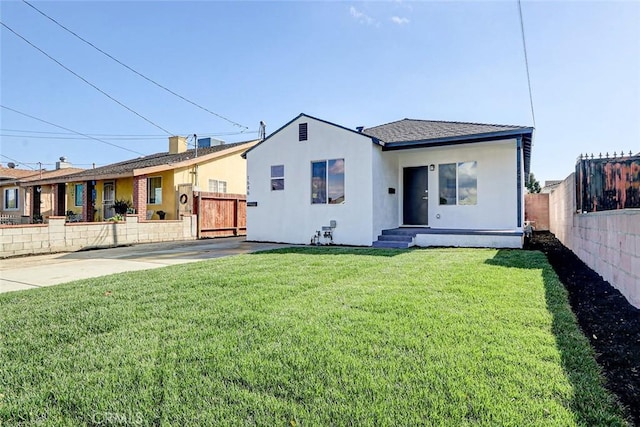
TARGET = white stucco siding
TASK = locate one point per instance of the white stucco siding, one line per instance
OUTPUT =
(385, 205)
(496, 207)
(288, 215)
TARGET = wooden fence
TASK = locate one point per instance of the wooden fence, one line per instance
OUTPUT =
(220, 214)
(607, 183)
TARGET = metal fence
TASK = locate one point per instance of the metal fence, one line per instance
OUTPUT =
(607, 182)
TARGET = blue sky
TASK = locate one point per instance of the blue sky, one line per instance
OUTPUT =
(352, 63)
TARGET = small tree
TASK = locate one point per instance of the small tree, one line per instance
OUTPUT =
(532, 184)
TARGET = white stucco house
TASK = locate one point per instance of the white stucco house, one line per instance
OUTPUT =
(405, 183)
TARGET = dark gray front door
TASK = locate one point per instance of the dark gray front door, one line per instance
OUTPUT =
(416, 195)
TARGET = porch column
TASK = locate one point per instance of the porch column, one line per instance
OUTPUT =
(87, 208)
(140, 196)
(54, 201)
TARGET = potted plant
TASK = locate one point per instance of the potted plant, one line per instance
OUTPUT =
(161, 214)
(121, 206)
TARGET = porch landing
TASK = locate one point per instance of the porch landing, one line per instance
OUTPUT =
(405, 237)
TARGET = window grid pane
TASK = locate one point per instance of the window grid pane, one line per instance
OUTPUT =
(468, 183)
(447, 183)
(336, 181)
(319, 182)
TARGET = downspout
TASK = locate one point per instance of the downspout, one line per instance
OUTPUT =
(519, 179)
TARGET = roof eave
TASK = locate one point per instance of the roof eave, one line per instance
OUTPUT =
(460, 139)
(373, 139)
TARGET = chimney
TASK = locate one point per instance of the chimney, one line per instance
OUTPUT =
(177, 144)
(63, 164)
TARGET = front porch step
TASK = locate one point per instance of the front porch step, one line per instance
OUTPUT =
(392, 244)
(400, 232)
(395, 237)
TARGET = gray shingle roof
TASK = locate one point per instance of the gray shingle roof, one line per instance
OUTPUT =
(420, 130)
(152, 160)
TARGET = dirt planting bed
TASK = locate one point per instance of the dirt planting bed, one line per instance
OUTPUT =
(606, 318)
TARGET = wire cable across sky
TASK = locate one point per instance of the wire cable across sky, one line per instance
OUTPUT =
(85, 80)
(150, 80)
(71, 130)
(526, 63)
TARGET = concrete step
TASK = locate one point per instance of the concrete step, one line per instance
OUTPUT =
(395, 237)
(392, 244)
(399, 232)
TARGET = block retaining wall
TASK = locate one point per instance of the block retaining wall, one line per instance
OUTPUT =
(608, 241)
(59, 236)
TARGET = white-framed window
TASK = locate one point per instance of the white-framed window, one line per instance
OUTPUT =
(277, 177)
(154, 190)
(458, 183)
(217, 186)
(11, 202)
(79, 188)
(327, 182)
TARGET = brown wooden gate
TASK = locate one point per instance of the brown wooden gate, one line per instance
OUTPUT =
(220, 214)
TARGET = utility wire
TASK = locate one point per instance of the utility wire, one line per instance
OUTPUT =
(134, 71)
(115, 137)
(17, 162)
(71, 130)
(526, 62)
(85, 80)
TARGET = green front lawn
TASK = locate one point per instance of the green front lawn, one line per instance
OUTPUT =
(307, 336)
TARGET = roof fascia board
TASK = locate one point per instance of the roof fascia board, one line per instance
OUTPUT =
(453, 140)
(71, 178)
(373, 139)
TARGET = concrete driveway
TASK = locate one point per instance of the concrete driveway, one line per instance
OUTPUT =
(47, 270)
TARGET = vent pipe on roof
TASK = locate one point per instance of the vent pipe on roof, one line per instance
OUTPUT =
(63, 164)
(262, 133)
(360, 129)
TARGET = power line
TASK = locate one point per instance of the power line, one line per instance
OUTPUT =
(115, 137)
(85, 80)
(16, 161)
(134, 71)
(71, 130)
(526, 62)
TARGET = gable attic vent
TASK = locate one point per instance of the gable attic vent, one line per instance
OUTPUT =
(302, 132)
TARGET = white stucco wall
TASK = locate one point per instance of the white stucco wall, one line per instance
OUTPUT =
(497, 193)
(288, 215)
(385, 206)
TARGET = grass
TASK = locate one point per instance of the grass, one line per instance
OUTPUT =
(301, 337)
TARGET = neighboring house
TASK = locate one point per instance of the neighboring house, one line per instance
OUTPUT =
(551, 185)
(41, 198)
(14, 202)
(403, 183)
(153, 184)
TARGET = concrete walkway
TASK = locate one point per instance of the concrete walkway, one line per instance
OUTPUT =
(47, 270)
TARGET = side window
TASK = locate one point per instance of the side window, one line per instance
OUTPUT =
(327, 182)
(11, 198)
(277, 177)
(217, 186)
